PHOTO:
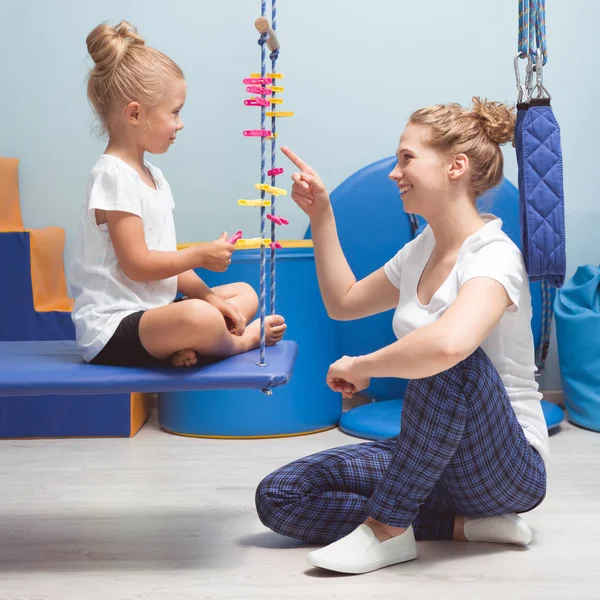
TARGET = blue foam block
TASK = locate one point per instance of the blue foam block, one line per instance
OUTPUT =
(381, 420)
(18, 319)
(47, 368)
(104, 415)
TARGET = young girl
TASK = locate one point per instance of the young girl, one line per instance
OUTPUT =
(473, 445)
(127, 269)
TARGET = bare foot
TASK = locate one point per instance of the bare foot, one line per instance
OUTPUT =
(274, 329)
(184, 358)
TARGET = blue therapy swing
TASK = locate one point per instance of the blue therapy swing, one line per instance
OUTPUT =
(35, 368)
(541, 213)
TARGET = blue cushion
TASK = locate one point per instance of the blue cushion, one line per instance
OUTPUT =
(381, 420)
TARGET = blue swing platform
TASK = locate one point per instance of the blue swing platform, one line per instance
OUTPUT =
(56, 367)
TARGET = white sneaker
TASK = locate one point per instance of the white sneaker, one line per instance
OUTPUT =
(502, 529)
(361, 552)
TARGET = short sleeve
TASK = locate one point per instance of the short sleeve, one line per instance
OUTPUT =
(501, 261)
(114, 188)
(393, 268)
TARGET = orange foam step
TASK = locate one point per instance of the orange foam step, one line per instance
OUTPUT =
(10, 208)
(48, 283)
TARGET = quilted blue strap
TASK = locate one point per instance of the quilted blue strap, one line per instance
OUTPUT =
(539, 157)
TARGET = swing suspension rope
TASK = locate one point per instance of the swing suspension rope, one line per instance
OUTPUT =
(263, 144)
(532, 47)
(262, 41)
(273, 56)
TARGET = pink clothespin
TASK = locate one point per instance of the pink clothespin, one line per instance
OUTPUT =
(275, 245)
(256, 102)
(259, 80)
(273, 172)
(252, 89)
(235, 237)
(257, 132)
(278, 220)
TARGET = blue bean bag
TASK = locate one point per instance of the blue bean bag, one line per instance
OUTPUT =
(577, 311)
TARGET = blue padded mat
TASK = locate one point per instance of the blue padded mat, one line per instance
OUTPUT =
(381, 420)
(44, 368)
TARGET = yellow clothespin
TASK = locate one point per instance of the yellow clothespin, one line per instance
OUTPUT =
(270, 137)
(276, 88)
(274, 75)
(248, 242)
(270, 189)
(276, 100)
(254, 202)
(280, 113)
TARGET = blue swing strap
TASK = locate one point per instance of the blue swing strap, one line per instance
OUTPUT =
(539, 159)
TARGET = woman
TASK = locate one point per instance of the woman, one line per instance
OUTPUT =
(473, 446)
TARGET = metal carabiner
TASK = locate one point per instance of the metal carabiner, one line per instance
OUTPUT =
(539, 88)
(524, 90)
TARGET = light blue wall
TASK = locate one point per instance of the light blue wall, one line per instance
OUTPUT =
(354, 71)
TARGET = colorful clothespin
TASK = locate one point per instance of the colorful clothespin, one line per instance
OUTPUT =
(274, 172)
(275, 245)
(235, 237)
(254, 202)
(281, 113)
(278, 220)
(257, 102)
(250, 242)
(263, 91)
(257, 80)
(270, 189)
(257, 133)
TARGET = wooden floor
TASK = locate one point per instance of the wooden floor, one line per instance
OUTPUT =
(166, 517)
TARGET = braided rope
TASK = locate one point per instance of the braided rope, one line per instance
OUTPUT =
(532, 29)
(263, 253)
(274, 55)
(523, 27)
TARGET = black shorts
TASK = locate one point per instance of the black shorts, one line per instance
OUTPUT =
(125, 349)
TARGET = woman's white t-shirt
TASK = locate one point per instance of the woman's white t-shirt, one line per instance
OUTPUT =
(487, 253)
(103, 294)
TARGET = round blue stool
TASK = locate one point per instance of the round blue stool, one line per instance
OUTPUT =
(305, 404)
(381, 420)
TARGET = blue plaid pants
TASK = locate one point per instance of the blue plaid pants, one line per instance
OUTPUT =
(461, 451)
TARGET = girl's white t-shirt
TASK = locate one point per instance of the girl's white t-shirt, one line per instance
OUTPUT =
(103, 294)
(487, 253)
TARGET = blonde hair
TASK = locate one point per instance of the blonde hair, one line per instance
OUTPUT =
(126, 70)
(477, 132)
